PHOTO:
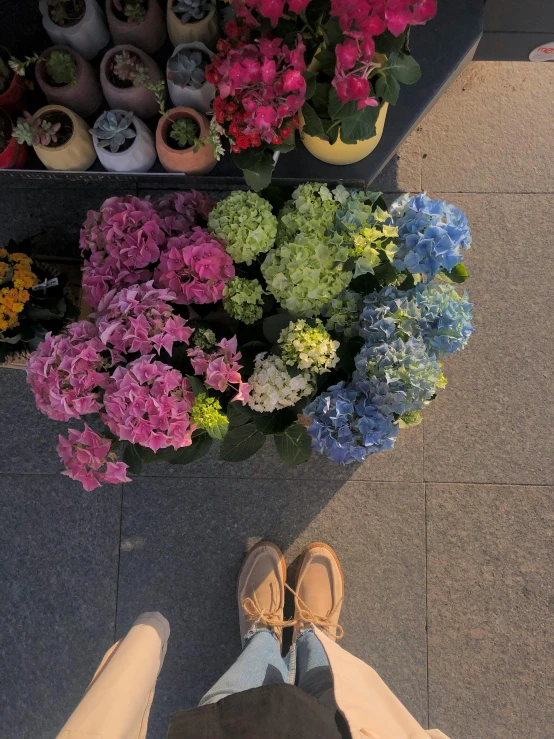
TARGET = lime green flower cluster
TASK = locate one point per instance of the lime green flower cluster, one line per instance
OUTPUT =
(206, 414)
(204, 338)
(305, 274)
(308, 347)
(311, 211)
(243, 299)
(343, 312)
(245, 224)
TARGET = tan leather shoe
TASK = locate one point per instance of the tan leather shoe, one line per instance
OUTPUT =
(319, 591)
(261, 590)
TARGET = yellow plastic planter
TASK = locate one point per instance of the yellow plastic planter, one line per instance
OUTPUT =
(77, 154)
(339, 152)
(205, 30)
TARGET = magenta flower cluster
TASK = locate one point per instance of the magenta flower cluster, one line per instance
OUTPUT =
(124, 242)
(141, 319)
(148, 403)
(195, 267)
(89, 460)
(272, 9)
(220, 368)
(68, 372)
(361, 21)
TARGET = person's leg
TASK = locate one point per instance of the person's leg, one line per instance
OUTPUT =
(259, 663)
(312, 666)
(261, 598)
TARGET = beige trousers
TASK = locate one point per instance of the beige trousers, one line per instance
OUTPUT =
(117, 701)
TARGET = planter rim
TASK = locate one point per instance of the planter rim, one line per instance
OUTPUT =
(171, 117)
(11, 86)
(40, 66)
(108, 57)
(113, 17)
(207, 17)
(200, 46)
(117, 153)
(74, 122)
(89, 10)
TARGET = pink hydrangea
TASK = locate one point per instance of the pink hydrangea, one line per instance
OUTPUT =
(221, 368)
(132, 231)
(195, 267)
(88, 458)
(102, 272)
(272, 9)
(148, 403)
(68, 372)
(141, 319)
(180, 210)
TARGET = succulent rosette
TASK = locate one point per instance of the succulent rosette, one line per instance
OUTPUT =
(320, 324)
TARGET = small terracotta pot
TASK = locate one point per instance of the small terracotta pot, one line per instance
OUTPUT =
(185, 161)
(75, 155)
(205, 30)
(138, 99)
(14, 155)
(11, 99)
(148, 35)
(85, 97)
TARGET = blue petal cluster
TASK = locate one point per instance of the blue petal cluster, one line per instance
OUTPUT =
(400, 376)
(431, 311)
(347, 427)
(432, 234)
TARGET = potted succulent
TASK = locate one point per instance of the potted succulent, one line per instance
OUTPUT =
(59, 137)
(186, 79)
(13, 155)
(123, 143)
(125, 75)
(68, 79)
(138, 22)
(12, 84)
(76, 23)
(192, 20)
(182, 142)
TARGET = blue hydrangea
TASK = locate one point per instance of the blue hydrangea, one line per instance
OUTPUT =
(432, 234)
(347, 427)
(399, 376)
(431, 311)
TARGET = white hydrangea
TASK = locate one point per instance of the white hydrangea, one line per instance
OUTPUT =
(272, 386)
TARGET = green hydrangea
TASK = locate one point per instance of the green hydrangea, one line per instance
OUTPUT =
(204, 338)
(245, 224)
(308, 347)
(343, 312)
(306, 274)
(243, 299)
(311, 212)
(207, 415)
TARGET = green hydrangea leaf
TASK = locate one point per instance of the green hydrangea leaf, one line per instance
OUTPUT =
(387, 88)
(133, 457)
(198, 387)
(359, 126)
(239, 414)
(240, 443)
(339, 111)
(273, 325)
(294, 446)
(312, 122)
(458, 275)
(403, 67)
(201, 444)
(311, 79)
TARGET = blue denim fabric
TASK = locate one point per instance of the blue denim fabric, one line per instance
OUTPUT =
(260, 663)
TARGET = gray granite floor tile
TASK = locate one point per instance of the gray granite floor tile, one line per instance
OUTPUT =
(492, 131)
(403, 172)
(59, 553)
(30, 444)
(403, 463)
(491, 610)
(493, 422)
(183, 542)
(54, 215)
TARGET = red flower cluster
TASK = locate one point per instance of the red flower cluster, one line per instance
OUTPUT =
(361, 20)
(260, 88)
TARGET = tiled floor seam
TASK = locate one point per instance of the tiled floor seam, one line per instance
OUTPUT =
(426, 607)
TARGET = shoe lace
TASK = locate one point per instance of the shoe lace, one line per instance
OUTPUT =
(305, 615)
(258, 616)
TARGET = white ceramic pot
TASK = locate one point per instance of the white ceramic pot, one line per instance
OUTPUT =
(87, 36)
(139, 157)
(188, 97)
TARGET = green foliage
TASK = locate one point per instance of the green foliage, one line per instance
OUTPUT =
(185, 132)
(293, 446)
(241, 442)
(61, 68)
